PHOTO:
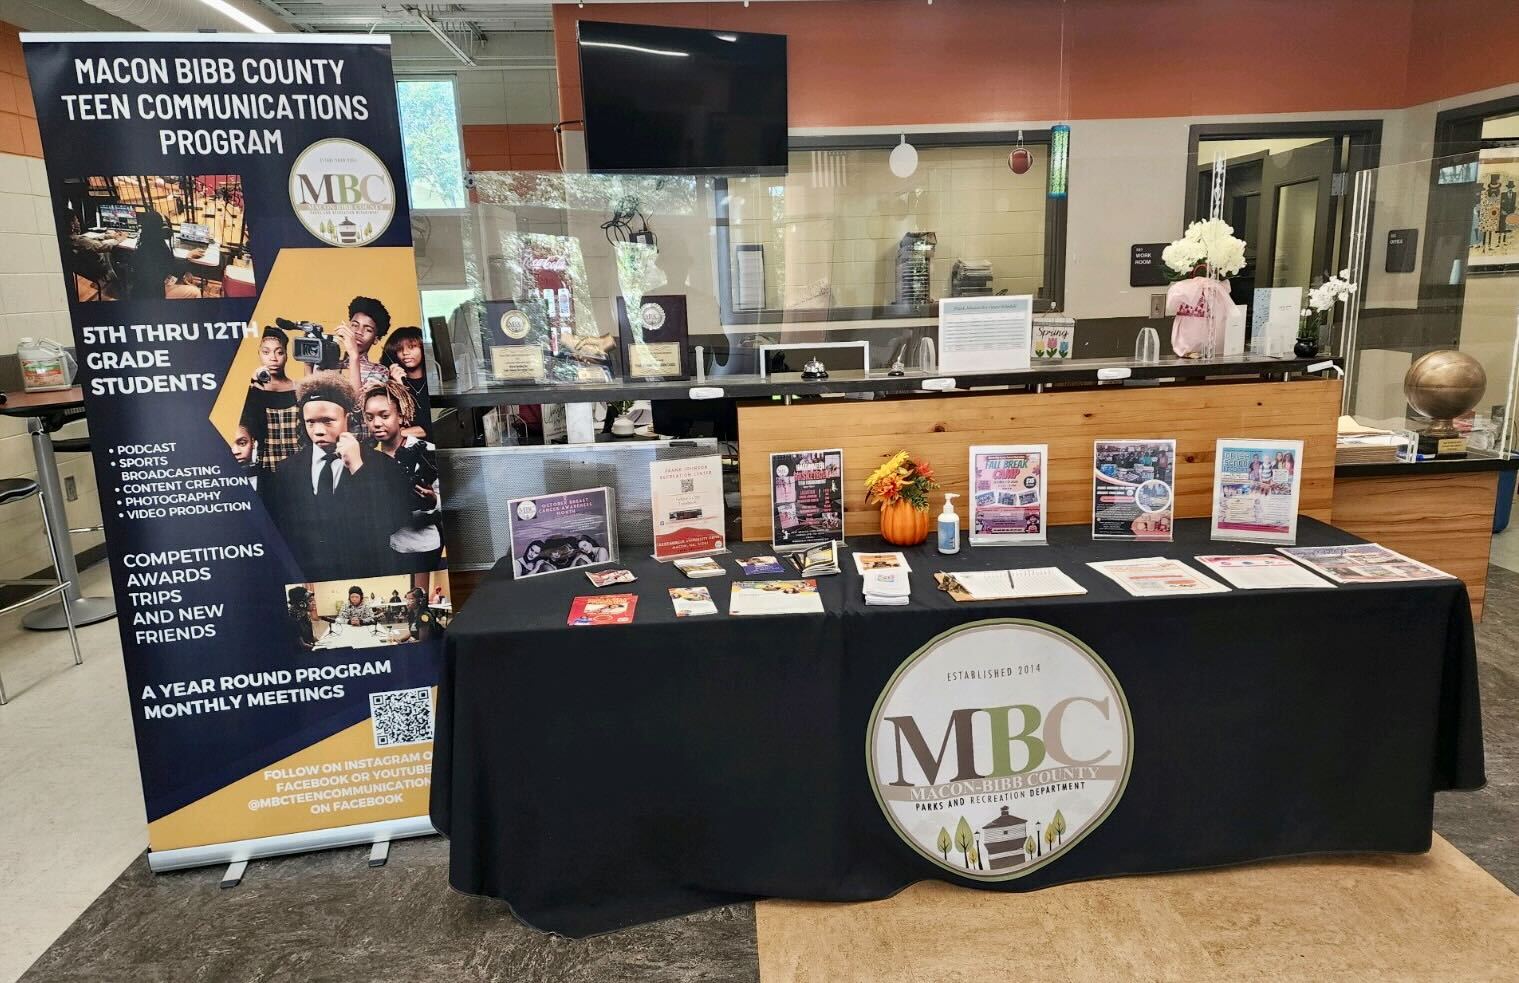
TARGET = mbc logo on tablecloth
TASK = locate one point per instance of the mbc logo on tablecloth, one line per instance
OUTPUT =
(998, 746)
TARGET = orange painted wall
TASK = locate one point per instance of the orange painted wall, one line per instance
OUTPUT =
(1462, 46)
(18, 117)
(888, 62)
(511, 147)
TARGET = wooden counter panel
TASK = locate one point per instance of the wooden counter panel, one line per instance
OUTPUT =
(942, 430)
(1445, 520)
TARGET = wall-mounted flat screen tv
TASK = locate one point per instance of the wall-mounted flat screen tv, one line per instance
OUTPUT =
(668, 100)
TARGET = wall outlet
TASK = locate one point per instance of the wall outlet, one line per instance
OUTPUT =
(70, 489)
(1157, 305)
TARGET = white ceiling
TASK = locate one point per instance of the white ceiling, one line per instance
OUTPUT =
(392, 16)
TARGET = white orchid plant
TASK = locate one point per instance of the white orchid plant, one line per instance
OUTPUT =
(1207, 248)
(1321, 300)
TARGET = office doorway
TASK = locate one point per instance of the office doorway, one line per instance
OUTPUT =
(1287, 193)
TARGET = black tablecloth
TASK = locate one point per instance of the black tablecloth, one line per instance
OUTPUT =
(599, 777)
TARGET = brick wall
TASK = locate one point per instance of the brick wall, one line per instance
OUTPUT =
(31, 304)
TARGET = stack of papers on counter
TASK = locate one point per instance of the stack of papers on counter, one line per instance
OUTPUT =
(1356, 444)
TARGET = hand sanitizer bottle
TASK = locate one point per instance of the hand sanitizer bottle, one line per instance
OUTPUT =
(949, 526)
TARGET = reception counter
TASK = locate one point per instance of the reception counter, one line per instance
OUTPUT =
(1440, 512)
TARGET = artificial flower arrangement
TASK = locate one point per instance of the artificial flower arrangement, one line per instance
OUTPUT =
(1321, 300)
(1207, 248)
(1199, 263)
(900, 487)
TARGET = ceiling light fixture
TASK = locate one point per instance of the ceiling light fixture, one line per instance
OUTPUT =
(227, 10)
(634, 47)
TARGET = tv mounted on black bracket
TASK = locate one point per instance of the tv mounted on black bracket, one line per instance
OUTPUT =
(670, 100)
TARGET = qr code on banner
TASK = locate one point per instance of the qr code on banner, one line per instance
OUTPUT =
(402, 716)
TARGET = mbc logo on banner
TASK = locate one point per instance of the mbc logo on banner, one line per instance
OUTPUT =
(998, 746)
(261, 426)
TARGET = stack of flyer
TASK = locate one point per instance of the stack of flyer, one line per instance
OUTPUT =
(1363, 563)
(775, 597)
(1157, 576)
(699, 567)
(1008, 585)
(886, 587)
(884, 578)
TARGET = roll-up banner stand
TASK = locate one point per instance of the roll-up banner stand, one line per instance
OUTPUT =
(232, 217)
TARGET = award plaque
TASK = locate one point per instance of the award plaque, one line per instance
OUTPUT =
(515, 343)
(653, 336)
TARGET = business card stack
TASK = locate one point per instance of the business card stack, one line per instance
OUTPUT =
(886, 587)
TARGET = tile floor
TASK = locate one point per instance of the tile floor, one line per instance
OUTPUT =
(72, 812)
(70, 799)
(1505, 549)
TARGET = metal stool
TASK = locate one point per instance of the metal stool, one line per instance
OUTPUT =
(14, 490)
(87, 610)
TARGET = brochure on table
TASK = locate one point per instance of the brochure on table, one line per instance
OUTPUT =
(1007, 494)
(775, 597)
(985, 334)
(686, 496)
(1363, 563)
(556, 533)
(692, 602)
(602, 609)
(1004, 585)
(1157, 576)
(806, 498)
(1261, 571)
(1133, 489)
(1255, 490)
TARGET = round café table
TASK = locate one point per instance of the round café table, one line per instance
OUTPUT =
(44, 413)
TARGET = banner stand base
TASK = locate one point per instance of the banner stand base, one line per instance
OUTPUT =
(379, 854)
(241, 851)
(234, 875)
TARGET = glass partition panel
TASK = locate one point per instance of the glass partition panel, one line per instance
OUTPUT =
(841, 232)
(1441, 275)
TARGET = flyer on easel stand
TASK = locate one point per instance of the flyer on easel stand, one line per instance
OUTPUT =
(806, 498)
(1133, 489)
(1007, 494)
(686, 497)
(1255, 490)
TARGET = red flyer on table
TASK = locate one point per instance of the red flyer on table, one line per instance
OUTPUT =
(603, 609)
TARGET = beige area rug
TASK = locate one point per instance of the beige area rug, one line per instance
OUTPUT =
(1433, 917)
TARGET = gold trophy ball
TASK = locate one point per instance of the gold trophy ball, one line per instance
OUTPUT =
(1443, 385)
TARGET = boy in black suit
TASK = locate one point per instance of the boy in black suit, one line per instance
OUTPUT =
(335, 500)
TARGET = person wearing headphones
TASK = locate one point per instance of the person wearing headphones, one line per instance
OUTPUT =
(302, 608)
(420, 619)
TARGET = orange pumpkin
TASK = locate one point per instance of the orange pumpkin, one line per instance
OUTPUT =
(903, 525)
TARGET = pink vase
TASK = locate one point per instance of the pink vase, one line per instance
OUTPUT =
(1200, 311)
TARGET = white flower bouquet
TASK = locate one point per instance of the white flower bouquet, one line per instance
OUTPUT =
(1321, 300)
(1207, 248)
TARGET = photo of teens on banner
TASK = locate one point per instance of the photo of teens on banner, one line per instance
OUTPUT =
(369, 613)
(334, 432)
